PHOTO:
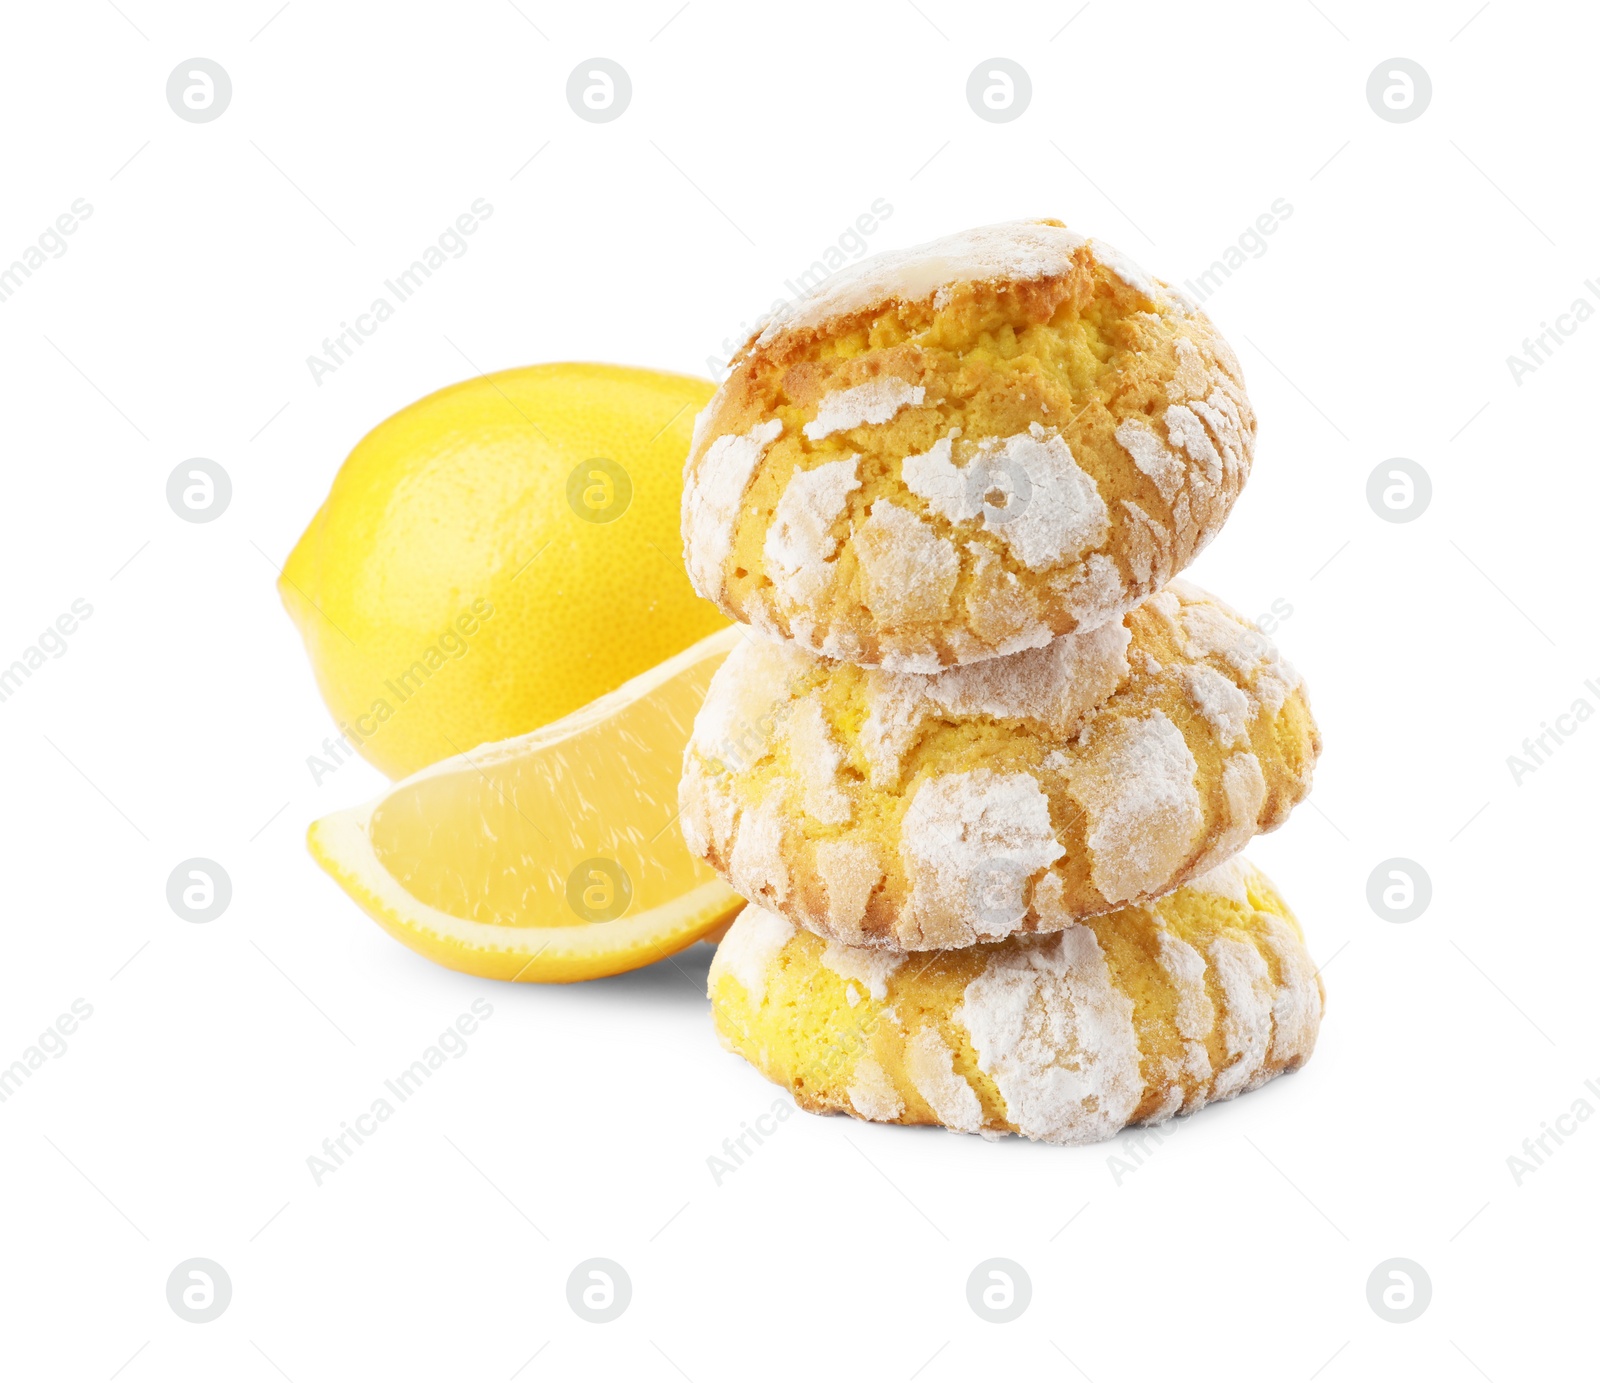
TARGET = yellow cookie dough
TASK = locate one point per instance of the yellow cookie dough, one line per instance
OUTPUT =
(962, 450)
(1128, 1018)
(925, 811)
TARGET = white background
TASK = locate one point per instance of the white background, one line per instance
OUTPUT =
(1377, 324)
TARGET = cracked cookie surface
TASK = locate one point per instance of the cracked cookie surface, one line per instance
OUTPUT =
(918, 811)
(963, 450)
(1128, 1018)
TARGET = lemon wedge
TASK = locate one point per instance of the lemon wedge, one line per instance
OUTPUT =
(551, 857)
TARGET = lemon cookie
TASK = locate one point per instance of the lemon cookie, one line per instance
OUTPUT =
(1127, 1018)
(920, 811)
(963, 450)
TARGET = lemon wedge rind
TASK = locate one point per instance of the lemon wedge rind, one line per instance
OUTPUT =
(342, 845)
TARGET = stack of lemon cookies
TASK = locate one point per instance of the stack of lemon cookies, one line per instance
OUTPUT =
(982, 767)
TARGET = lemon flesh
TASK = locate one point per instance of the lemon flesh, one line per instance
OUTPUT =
(554, 856)
(497, 555)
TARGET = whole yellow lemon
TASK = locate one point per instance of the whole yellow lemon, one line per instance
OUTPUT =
(497, 555)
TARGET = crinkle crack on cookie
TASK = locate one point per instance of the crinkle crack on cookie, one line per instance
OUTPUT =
(1127, 1018)
(920, 811)
(960, 451)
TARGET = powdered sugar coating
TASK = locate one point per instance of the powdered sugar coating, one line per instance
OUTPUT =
(818, 757)
(1211, 629)
(1221, 702)
(1228, 880)
(872, 1093)
(849, 870)
(1057, 1038)
(875, 402)
(868, 967)
(1095, 588)
(800, 545)
(1056, 686)
(1247, 1017)
(895, 713)
(1206, 452)
(1194, 1018)
(1297, 1004)
(907, 572)
(1152, 456)
(1136, 786)
(757, 865)
(1054, 514)
(958, 825)
(1046, 508)
(999, 612)
(1185, 429)
(737, 720)
(1147, 540)
(1222, 415)
(934, 476)
(712, 498)
(1193, 379)
(930, 1064)
(1244, 793)
(1018, 250)
(749, 950)
(1126, 270)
